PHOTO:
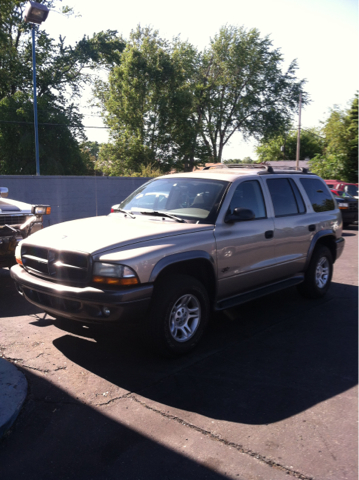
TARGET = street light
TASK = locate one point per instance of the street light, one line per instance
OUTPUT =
(35, 13)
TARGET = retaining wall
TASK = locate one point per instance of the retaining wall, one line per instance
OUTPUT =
(71, 197)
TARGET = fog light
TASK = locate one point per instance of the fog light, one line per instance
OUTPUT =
(106, 311)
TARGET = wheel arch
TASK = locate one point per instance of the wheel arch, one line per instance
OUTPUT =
(325, 238)
(198, 264)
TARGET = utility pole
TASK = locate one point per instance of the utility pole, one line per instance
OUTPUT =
(299, 127)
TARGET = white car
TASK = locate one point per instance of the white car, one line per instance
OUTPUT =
(18, 220)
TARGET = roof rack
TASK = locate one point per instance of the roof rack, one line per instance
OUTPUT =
(236, 165)
(264, 167)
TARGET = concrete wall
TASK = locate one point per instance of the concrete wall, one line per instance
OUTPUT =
(71, 197)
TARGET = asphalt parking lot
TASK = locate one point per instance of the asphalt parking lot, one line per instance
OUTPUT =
(270, 393)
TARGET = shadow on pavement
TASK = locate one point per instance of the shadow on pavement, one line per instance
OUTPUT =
(70, 440)
(261, 363)
(13, 304)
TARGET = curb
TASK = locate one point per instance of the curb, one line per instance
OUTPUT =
(13, 390)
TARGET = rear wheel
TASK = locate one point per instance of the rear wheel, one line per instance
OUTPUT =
(179, 315)
(318, 276)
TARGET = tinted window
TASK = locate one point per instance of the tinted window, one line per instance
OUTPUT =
(318, 194)
(285, 197)
(298, 196)
(249, 195)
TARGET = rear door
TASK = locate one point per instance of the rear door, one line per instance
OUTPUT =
(292, 230)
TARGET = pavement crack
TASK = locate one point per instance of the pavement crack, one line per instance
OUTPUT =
(218, 438)
(126, 395)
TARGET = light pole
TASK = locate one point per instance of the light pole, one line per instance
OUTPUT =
(35, 13)
(298, 135)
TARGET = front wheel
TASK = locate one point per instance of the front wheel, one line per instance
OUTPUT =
(318, 276)
(179, 315)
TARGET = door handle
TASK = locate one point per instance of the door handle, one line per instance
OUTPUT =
(311, 228)
(269, 234)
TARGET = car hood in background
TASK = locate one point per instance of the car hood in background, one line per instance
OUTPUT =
(100, 234)
(9, 207)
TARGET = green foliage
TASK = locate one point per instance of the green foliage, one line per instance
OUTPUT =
(245, 88)
(168, 103)
(60, 72)
(311, 144)
(59, 152)
(148, 104)
(246, 160)
(339, 158)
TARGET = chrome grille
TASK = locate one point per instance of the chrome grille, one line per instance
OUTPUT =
(12, 219)
(58, 265)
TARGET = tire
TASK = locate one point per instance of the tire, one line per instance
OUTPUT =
(318, 276)
(178, 316)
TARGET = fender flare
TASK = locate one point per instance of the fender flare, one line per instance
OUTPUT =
(313, 244)
(179, 258)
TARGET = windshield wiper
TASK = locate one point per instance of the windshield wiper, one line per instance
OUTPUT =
(126, 212)
(163, 214)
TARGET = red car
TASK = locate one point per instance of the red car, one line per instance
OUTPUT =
(343, 187)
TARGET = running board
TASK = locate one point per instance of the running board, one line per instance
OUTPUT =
(259, 292)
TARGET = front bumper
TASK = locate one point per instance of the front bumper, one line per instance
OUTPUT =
(339, 243)
(84, 304)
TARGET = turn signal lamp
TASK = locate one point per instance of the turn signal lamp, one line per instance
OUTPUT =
(18, 254)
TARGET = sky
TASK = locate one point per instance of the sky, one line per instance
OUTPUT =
(321, 34)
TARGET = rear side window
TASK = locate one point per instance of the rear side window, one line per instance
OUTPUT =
(318, 194)
(286, 197)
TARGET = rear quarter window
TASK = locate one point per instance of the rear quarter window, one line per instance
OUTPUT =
(319, 196)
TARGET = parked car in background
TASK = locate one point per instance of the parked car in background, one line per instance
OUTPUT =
(18, 220)
(343, 187)
(349, 188)
(348, 206)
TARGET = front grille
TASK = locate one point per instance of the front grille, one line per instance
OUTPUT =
(353, 206)
(60, 266)
(12, 219)
(70, 306)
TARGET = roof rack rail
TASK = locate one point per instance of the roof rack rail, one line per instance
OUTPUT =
(265, 168)
(236, 165)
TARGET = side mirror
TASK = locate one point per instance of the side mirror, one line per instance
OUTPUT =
(240, 215)
(4, 192)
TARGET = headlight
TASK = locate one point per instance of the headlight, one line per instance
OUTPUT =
(41, 209)
(343, 205)
(111, 274)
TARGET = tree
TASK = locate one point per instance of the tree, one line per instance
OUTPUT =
(245, 89)
(339, 159)
(284, 146)
(149, 104)
(60, 77)
(168, 103)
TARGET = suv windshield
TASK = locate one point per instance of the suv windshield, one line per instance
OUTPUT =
(195, 200)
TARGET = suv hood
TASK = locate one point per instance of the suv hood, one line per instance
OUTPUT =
(100, 234)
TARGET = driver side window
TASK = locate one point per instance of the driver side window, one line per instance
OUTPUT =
(249, 195)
